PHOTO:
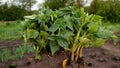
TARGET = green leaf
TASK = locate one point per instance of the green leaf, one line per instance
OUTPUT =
(30, 17)
(63, 43)
(32, 33)
(69, 24)
(88, 18)
(66, 34)
(115, 39)
(43, 34)
(92, 27)
(104, 33)
(81, 10)
(55, 26)
(98, 42)
(38, 57)
(96, 18)
(33, 25)
(41, 43)
(54, 47)
(53, 38)
(77, 22)
(85, 40)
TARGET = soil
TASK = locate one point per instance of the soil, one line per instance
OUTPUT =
(106, 57)
(10, 44)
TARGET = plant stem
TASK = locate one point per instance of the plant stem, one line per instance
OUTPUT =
(59, 32)
(74, 47)
(25, 37)
(77, 51)
(80, 51)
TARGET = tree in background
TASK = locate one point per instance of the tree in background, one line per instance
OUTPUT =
(70, 3)
(15, 9)
(55, 4)
(109, 9)
(94, 6)
(3, 9)
(26, 4)
(79, 3)
(0, 2)
(11, 13)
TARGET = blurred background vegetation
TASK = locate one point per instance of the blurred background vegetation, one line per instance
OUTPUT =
(17, 9)
(109, 9)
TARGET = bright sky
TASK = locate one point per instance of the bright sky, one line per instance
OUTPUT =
(36, 5)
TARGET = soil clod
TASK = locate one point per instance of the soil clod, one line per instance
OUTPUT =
(12, 66)
(116, 58)
(101, 59)
(92, 55)
(89, 64)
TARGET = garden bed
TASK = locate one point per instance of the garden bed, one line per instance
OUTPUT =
(93, 57)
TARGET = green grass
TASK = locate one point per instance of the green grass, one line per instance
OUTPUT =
(13, 30)
(115, 27)
(10, 30)
(5, 55)
(18, 53)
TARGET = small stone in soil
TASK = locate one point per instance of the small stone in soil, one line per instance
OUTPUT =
(92, 55)
(89, 64)
(12, 66)
(116, 58)
(105, 53)
(101, 59)
(28, 63)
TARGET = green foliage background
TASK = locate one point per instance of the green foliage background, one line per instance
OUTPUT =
(55, 4)
(11, 13)
(109, 9)
(15, 9)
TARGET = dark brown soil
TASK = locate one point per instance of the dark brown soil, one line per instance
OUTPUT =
(106, 57)
(10, 44)
(112, 48)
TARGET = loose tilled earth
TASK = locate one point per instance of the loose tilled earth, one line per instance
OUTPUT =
(106, 57)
